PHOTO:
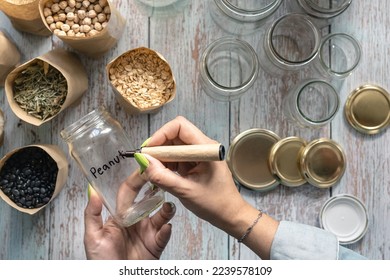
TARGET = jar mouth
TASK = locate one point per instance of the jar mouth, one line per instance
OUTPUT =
(338, 8)
(248, 14)
(314, 97)
(339, 65)
(229, 54)
(83, 123)
(279, 39)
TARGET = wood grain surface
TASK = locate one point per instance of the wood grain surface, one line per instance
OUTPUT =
(57, 231)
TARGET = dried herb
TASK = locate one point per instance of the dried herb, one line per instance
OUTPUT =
(40, 90)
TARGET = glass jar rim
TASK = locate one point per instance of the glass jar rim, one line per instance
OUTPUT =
(247, 15)
(84, 123)
(355, 44)
(235, 90)
(320, 9)
(285, 61)
(331, 115)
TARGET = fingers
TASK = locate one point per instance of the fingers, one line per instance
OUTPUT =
(179, 131)
(129, 190)
(162, 177)
(164, 215)
(92, 214)
(160, 221)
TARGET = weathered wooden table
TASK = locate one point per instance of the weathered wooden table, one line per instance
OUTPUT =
(57, 231)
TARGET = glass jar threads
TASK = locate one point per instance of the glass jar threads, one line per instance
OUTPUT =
(312, 103)
(229, 67)
(290, 43)
(324, 9)
(240, 17)
(95, 142)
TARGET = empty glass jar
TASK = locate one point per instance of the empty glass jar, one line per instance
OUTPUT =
(338, 56)
(324, 8)
(229, 67)
(291, 43)
(312, 103)
(242, 16)
(95, 142)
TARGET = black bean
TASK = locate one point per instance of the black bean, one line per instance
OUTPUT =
(28, 177)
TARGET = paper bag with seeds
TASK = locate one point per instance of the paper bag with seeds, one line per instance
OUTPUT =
(41, 88)
(32, 176)
(9, 57)
(142, 80)
(24, 16)
(91, 26)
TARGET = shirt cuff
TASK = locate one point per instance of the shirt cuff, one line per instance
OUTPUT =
(303, 242)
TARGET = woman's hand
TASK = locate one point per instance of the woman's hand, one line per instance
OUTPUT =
(144, 240)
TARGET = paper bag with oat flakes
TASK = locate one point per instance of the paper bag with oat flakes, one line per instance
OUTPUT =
(47, 85)
(24, 16)
(9, 56)
(142, 81)
(91, 28)
(30, 194)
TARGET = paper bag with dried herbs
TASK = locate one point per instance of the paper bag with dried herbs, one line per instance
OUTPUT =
(90, 26)
(32, 176)
(142, 80)
(41, 88)
(24, 16)
(9, 56)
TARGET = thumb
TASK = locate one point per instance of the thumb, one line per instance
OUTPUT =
(163, 177)
(92, 215)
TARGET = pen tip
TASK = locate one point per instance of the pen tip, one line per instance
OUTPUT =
(127, 153)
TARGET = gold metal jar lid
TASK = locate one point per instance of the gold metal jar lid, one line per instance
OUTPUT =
(247, 159)
(284, 161)
(322, 162)
(367, 109)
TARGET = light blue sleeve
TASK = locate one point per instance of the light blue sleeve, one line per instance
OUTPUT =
(304, 242)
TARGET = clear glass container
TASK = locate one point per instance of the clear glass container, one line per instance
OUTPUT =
(290, 44)
(339, 55)
(324, 9)
(242, 16)
(95, 142)
(312, 103)
(161, 8)
(229, 67)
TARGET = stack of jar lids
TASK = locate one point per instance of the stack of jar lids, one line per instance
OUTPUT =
(260, 160)
(367, 109)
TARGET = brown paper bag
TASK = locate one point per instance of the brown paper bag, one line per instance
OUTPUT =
(70, 67)
(134, 85)
(24, 16)
(62, 164)
(9, 57)
(96, 45)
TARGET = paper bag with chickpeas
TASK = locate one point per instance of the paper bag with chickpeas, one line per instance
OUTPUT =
(91, 27)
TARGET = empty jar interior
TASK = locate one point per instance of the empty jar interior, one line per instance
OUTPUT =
(317, 102)
(339, 54)
(230, 67)
(248, 10)
(294, 39)
(328, 6)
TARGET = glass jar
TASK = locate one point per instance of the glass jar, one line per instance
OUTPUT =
(161, 8)
(229, 67)
(339, 55)
(312, 103)
(95, 142)
(324, 8)
(290, 44)
(242, 17)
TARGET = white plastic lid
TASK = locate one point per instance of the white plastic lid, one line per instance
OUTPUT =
(346, 217)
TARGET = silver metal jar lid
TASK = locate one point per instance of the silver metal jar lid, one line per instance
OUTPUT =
(345, 216)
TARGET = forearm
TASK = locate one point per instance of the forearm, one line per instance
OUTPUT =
(260, 237)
